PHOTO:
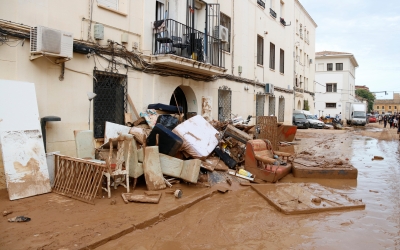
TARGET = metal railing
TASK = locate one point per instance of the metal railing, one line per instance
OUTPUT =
(261, 3)
(272, 12)
(172, 37)
(283, 21)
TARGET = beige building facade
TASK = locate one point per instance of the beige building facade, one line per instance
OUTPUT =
(215, 57)
(387, 106)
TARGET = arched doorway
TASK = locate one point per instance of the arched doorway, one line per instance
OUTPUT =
(299, 105)
(179, 97)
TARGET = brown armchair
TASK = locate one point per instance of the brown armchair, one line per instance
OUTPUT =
(259, 160)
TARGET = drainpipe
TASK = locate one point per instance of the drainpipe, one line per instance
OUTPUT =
(233, 37)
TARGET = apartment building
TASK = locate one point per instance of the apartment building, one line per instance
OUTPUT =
(335, 82)
(387, 106)
(214, 58)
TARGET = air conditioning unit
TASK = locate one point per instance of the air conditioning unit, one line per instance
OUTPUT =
(269, 88)
(222, 33)
(51, 42)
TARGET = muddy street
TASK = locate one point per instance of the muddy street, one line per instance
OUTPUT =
(244, 220)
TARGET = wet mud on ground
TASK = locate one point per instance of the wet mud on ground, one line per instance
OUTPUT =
(243, 220)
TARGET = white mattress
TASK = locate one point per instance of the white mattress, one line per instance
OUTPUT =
(198, 135)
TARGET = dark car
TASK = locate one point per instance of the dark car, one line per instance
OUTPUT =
(300, 121)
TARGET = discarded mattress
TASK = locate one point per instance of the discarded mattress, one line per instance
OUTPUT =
(304, 168)
(164, 107)
(168, 142)
(198, 135)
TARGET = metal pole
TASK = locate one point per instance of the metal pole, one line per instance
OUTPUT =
(90, 104)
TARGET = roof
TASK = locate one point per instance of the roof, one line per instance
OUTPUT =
(324, 53)
(386, 101)
(331, 53)
(305, 11)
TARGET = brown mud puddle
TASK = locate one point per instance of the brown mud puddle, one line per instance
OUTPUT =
(243, 220)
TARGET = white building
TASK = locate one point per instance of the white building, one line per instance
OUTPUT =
(216, 57)
(335, 82)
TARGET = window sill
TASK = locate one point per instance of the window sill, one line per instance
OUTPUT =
(272, 69)
(112, 10)
(259, 6)
(226, 52)
(282, 73)
(260, 65)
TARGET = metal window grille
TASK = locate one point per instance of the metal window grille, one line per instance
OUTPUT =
(271, 105)
(260, 103)
(110, 103)
(224, 103)
(281, 111)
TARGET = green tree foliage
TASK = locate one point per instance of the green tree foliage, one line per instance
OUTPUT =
(367, 95)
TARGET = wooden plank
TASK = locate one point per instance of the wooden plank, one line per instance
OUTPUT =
(152, 169)
(132, 106)
(171, 166)
(237, 134)
(155, 199)
(190, 170)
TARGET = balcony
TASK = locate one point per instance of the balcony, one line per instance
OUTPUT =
(272, 12)
(283, 22)
(177, 45)
(261, 3)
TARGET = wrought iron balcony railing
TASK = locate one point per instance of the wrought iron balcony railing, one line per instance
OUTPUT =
(283, 21)
(172, 37)
(272, 12)
(261, 3)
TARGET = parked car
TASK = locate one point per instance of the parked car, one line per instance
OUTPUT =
(372, 118)
(300, 121)
(314, 122)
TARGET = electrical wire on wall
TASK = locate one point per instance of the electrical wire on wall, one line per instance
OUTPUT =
(118, 57)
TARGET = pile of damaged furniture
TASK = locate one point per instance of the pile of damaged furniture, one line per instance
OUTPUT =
(166, 149)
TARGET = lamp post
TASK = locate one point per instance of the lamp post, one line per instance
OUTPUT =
(90, 96)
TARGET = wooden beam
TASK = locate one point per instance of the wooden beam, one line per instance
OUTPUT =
(132, 106)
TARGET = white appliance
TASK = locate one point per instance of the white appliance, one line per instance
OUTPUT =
(51, 42)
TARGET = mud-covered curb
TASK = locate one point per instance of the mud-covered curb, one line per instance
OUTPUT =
(150, 222)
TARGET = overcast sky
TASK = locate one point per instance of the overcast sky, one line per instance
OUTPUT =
(370, 30)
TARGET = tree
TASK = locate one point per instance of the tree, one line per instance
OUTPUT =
(366, 95)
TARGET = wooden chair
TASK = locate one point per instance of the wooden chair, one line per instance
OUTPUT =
(120, 170)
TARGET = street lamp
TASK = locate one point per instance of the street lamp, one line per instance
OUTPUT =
(90, 96)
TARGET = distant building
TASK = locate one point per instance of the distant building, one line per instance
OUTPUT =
(388, 106)
(335, 81)
(362, 87)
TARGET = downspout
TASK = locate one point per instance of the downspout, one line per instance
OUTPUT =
(294, 58)
(233, 37)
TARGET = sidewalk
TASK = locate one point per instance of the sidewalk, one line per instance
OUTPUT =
(58, 222)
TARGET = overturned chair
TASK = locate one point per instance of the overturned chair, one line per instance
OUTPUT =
(259, 160)
(119, 170)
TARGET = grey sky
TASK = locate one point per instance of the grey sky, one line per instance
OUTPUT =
(370, 30)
